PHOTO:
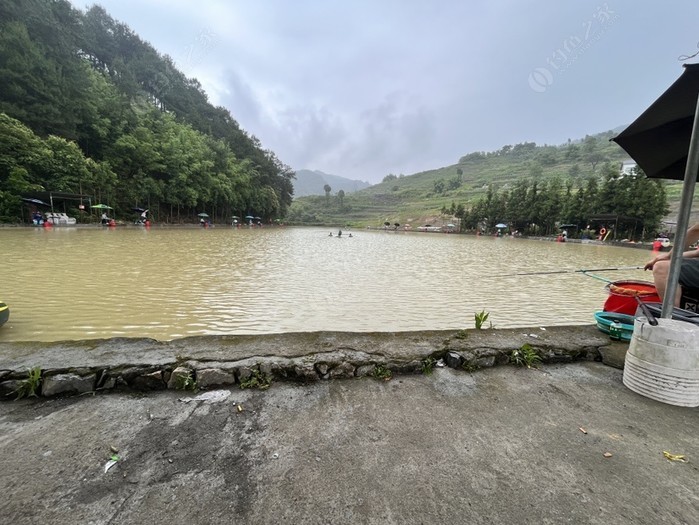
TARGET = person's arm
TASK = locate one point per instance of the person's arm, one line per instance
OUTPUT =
(691, 238)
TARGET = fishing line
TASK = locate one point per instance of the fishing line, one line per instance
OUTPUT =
(585, 271)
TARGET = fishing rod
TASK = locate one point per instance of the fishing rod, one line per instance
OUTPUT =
(553, 272)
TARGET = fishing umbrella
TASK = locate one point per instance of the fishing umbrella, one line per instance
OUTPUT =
(101, 207)
(235, 217)
(501, 225)
(203, 215)
(659, 139)
(38, 202)
(249, 217)
(664, 142)
(139, 210)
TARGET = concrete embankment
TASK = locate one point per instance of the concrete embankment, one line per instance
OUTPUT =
(561, 443)
(76, 367)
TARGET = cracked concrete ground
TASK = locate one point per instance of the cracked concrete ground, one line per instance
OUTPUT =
(501, 445)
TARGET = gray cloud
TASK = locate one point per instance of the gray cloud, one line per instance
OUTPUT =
(363, 88)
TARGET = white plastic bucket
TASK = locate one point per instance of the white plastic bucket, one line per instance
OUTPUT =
(662, 362)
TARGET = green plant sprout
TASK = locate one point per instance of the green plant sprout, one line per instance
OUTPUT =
(525, 356)
(381, 372)
(29, 387)
(428, 365)
(185, 382)
(470, 366)
(256, 380)
(481, 318)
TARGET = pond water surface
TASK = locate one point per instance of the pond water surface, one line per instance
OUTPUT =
(166, 283)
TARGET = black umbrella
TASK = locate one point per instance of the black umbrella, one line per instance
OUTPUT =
(138, 209)
(664, 142)
(659, 139)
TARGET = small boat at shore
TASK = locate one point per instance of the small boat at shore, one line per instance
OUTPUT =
(4, 313)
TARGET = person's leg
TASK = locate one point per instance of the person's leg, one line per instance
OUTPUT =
(689, 275)
(661, 270)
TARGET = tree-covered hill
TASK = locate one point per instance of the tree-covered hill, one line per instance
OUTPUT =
(531, 188)
(88, 107)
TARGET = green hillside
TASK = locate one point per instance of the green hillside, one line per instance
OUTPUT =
(431, 196)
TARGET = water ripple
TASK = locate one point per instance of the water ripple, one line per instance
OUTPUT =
(169, 283)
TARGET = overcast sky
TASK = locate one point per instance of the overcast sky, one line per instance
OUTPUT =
(363, 88)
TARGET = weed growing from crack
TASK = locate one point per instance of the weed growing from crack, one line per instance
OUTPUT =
(428, 365)
(525, 356)
(381, 372)
(470, 366)
(186, 382)
(29, 387)
(256, 380)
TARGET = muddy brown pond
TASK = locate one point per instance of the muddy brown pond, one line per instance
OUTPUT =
(166, 283)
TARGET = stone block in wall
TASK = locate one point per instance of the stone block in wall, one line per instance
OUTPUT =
(364, 371)
(343, 370)
(67, 384)
(8, 389)
(453, 359)
(266, 369)
(151, 381)
(485, 362)
(411, 367)
(306, 373)
(178, 377)
(207, 377)
(243, 373)
(108, 384)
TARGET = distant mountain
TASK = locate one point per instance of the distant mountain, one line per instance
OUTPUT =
(312, 182)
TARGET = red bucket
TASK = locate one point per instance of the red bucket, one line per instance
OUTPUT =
(622, 296)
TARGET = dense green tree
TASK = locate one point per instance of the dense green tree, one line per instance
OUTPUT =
(538, 208)
(105, 114)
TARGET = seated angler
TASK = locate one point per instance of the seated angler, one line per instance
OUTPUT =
(689, 271)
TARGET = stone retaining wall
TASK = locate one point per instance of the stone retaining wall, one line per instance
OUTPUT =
(256, 361)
